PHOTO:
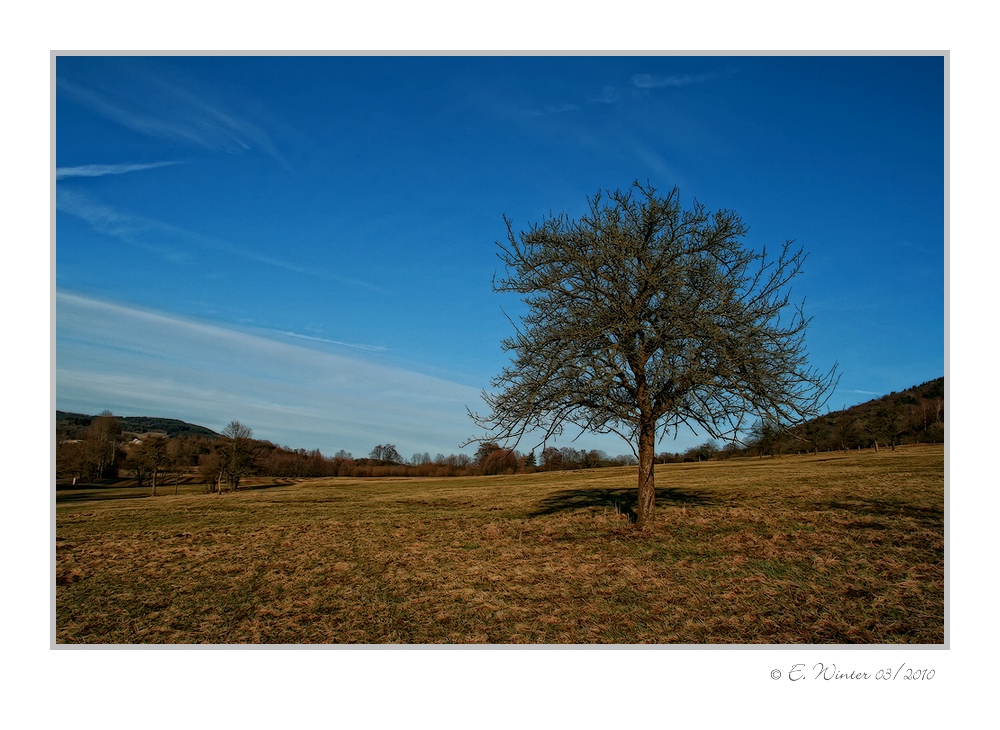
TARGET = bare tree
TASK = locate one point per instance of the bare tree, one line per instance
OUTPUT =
(237, 453)
(886, 424)
(210, 468)
(103, 435)
(156, 447)
(845, 429)
(765, 436)
(643, 317)
(137, 462)
(386, 454)
(421, 459)
(178, 456)
(494, 459)
(149, 458)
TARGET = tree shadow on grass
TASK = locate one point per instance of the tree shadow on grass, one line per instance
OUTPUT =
(623, 501)
(927, 516)
(278, 482)
(92, 493)
(98, 495)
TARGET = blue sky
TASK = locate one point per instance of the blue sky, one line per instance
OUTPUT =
(305, 244)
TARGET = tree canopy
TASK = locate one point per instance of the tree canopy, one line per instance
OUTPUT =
(643, 317)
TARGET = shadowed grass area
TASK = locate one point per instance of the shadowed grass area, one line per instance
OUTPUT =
(827, 549)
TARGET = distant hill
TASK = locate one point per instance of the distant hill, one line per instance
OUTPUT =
(72, 422)
(914, 415)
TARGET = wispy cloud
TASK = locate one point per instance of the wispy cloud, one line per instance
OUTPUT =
(863, 392)
(101, 170)
(102, 218)
(135, 361)
(134, 229)
(313, 338)
(608, 95)
(652, 159)
(615, 94)
(168, 111)
(651, 81)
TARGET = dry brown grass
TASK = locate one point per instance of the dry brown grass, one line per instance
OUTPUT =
(832, 548)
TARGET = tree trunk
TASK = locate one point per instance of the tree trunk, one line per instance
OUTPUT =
(647, 490)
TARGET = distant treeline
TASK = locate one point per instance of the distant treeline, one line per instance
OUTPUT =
(99, 447)
(107, 446)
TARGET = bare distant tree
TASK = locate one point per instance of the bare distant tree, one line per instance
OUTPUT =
(552, 459)
(485, 449)
(237, 452)
(643, 317)
(499, 461)
(886, 424)
(844, 427)
(178, 457)
(210, 468)
(150, 458)
(137, 463)
(421, 459)
(494, 459)
(104, 435)
(386, 454)
(156, 447)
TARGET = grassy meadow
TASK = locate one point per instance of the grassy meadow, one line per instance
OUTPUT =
(828, 548)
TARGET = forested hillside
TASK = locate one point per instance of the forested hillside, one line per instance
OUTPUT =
(912, 416)
(72, 425)
(915, 415)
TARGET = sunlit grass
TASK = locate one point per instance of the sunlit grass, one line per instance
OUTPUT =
(837, 548)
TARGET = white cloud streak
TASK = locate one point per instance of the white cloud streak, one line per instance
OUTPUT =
(173, 113)
(138, 362)
(313, 338)
(101, 170)
(132, 229)
(102, 218)
(649, 81)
